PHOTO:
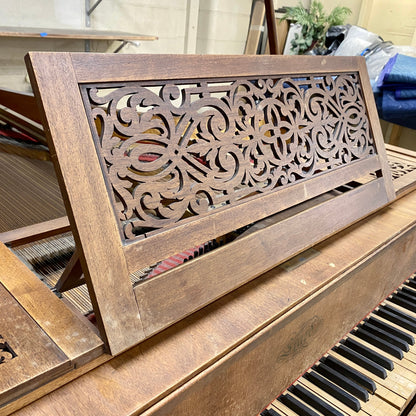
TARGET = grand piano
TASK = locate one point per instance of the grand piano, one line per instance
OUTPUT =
(272, 171)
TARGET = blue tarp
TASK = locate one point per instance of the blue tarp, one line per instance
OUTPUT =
(396, 91)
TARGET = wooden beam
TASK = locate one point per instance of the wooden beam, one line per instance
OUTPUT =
(256, 28)
(25, 126)
(22, 103)
(271, 27)
(35, 232)
(72, 275)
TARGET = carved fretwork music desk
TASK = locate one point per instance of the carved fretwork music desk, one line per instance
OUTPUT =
(156, 154)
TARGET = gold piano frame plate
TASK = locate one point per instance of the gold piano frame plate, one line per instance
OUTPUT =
(127, 315)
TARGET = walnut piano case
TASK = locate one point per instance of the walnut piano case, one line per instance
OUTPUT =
(40, 337)
(157, 154)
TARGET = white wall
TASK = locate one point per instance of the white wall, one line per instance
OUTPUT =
(163, 18)
(182, 26)
(42, 13)
(393, 20)
(223, 26)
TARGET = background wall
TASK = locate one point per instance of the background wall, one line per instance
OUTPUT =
(393, 20)
(182, 26)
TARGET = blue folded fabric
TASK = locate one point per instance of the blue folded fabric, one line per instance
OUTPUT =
(396, 91)
(405, 93)
(402, 112)
(400, 69)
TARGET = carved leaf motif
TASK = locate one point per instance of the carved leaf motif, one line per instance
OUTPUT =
(171, 152)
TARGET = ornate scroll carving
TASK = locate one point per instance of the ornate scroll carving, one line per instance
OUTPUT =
(175, 151)
(6, 352)
(399, 169)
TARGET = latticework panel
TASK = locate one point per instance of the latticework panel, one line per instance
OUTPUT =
(400, 168)
(172, 151)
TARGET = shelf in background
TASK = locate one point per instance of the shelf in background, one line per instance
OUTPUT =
(84, 34)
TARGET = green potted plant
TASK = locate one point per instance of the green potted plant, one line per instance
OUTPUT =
(315, 23)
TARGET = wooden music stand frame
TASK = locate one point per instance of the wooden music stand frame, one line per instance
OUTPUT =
(228, 118)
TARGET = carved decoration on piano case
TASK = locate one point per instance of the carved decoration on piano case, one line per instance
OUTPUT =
(299, 341)
(399, 169)
(6, 352)
(175, 151)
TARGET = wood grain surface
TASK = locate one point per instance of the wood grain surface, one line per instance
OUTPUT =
(103, 67)
(38, 358)
(238, 353)
(56, 33)
(202, 280)
(80, 179)
(66, 329)
(34, 232)
(22, 103)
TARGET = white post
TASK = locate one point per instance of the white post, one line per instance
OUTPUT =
(191, 29)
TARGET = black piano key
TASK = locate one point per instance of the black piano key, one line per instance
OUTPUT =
(378, 342)
(408, 291)
(392, 330)
(411, 283)
(404, 303)
(391, 339)
(351, 373)
(407, 297)
(332, 389)
(369, 353)
(407, 294)
(362, 361)
(314, 401)
(342, 381)
(297, 406)
(269, 412)
(397, 317)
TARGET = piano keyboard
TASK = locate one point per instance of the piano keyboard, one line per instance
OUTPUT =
(371, 371)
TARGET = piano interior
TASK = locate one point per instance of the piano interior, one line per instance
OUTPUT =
(220, 235)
